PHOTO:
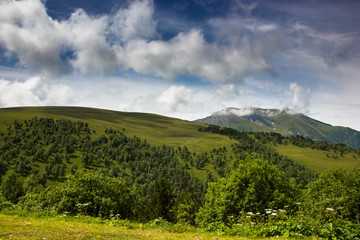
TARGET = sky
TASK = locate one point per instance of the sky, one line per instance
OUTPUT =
(184, 59)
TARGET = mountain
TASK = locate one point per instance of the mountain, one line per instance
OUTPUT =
(284, 122)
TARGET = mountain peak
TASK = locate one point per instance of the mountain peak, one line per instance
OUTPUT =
(283, 121)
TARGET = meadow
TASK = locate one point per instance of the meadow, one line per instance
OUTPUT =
(81, 227)
(318, 160)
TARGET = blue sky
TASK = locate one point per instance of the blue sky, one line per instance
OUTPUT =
(184, 59)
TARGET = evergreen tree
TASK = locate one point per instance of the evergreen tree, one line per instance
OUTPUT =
(161, 200)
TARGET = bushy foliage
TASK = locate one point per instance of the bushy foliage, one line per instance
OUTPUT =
(293, 227)
(252, 187)
(96, 194)
(335, 194)
(87, 193)
(160, 200)
(185, 209)
(11, 187)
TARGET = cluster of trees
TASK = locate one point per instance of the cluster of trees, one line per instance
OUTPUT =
(61, 165)
(256, 145)
(301, 141)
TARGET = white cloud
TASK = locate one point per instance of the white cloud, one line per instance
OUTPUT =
(27, 31)
(170, 101)
(120, 41)
(189, 53)
(39, 42)
(300, 98)
(33, 92)
(135, 21)
(87, 38)
(337, 114)
(174, 98)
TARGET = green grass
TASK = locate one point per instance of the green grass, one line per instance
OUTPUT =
(18, 227)
(318, 160)
(154, 128)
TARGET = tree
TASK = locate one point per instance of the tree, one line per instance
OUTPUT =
(85, 159)
(10, 187)
(161, 200)
(186, 208)
(31, 182)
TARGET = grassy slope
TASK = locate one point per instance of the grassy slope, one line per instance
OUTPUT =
(318, 160)
(15, 227)
(155, 129)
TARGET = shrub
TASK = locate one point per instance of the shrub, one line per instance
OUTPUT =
(252, 187)
(335, 194)
(86, 193)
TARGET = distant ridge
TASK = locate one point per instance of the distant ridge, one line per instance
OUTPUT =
(283, 121)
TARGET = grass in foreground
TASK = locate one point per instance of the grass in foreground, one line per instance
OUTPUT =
(17, 227)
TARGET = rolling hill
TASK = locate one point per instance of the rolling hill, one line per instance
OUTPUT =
(284, 122)
(154, 128)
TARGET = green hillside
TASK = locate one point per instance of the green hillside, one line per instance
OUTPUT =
(319, 160)
(154, 128)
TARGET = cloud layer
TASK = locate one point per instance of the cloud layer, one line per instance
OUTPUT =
(128, 40)
(124, 40)
(33, 92)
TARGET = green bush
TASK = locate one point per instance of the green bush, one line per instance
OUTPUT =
(339, 229)
(86, 193)
(252, 187)
(11, 187)
(4, 204)
(334, 195)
